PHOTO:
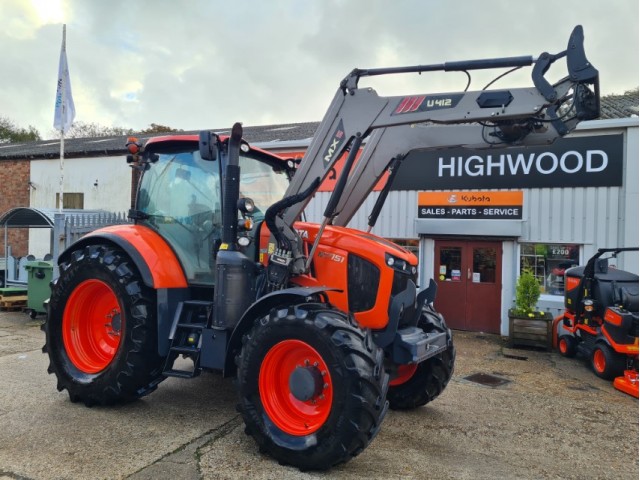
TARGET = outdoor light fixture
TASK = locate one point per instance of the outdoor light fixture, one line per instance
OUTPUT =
(31, 185)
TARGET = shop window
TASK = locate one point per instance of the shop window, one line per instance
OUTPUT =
(548, 263)
(450, 264)
(484, 265)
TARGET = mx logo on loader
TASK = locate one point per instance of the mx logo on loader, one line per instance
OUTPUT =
(337, 139)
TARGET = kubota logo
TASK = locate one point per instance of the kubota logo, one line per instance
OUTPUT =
(336, 143)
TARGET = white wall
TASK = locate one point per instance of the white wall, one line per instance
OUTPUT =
(594, 217)
(112, 194)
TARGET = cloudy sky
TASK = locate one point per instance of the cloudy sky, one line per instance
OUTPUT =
(208, 63)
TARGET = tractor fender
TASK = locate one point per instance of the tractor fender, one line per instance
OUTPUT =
(158, 265)
(285, 297)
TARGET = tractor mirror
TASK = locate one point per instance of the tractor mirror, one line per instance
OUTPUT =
(208, 145)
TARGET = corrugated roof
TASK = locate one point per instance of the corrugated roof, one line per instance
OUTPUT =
(101, 146)
(612, 106)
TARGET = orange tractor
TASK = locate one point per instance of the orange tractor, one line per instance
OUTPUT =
(322, 326)
(601, 319)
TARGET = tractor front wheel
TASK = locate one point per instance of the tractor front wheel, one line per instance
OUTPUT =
(417, 385)
(311, 385)
(101, 329)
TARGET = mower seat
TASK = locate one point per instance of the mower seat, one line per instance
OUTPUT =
(629, 298)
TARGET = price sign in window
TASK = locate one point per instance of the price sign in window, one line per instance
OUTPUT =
(548, 263)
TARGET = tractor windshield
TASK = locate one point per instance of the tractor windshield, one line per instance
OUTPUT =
(181, 194)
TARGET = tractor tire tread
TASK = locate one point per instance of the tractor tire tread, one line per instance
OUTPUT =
(360, 370)
(137, 368)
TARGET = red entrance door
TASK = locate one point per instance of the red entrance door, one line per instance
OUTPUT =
(469, 277)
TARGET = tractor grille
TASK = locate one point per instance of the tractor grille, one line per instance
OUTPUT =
(363, 278)
(400, 281)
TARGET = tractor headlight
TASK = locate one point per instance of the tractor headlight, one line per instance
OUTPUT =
(399, 264)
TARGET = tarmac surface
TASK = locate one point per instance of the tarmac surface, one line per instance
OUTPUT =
(553, 418)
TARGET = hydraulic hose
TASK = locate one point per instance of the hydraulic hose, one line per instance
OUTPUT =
(276, 208)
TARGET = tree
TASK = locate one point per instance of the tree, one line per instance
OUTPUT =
(91, 130)
(156, 128)
(11, 133)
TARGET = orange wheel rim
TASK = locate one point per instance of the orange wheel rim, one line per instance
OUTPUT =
(599, 361)
(290, 414)
(405, 372)
(562, 345)
(91, 326)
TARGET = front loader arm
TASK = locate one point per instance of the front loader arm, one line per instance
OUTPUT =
(534, 115)
(393, 126)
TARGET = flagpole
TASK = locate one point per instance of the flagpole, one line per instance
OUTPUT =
(64, 116)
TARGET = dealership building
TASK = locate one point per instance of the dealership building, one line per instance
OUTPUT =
(475, 219)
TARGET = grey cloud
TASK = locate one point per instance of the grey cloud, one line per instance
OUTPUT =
(205, 64)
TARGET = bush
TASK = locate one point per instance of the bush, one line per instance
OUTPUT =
(527, 295)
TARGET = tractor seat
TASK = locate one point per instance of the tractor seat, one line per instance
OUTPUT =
(629, 298)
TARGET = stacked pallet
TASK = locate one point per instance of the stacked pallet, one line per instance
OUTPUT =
(13, 298)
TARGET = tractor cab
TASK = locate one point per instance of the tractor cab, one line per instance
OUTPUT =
(180, 196)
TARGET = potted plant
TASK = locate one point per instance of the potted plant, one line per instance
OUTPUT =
(528, 325)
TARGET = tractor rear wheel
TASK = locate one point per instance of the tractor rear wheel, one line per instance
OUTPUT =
(311, 386)
(101, 329)
(415, 386)
(567, 346)
(606, 363)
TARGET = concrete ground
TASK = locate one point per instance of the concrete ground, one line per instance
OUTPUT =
(553, 419)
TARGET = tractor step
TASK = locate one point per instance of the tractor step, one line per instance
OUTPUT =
(191, 318)
(193, 326)
(184, 350)
(178, 373)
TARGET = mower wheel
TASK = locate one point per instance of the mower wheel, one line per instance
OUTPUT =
(417, 386)
(606, 363)
(311, 385)
(101, 329)
(567, 346)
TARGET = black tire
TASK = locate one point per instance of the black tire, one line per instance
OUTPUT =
(33, 314)
(567, 346)
(356, 375)
(431, 376)
(606, 363)
(134, 368)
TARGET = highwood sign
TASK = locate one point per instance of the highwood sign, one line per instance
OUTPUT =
(569, 162)
(470, 205)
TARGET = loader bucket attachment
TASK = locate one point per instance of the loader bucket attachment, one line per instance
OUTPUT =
(628, 383)
(581, 71)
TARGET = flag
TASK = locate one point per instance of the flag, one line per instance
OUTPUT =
(65, 110)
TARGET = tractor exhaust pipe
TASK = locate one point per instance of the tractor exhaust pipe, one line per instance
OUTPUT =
(231, 190)
(235, 272)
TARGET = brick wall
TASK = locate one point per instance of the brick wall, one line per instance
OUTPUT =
(14, 192)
